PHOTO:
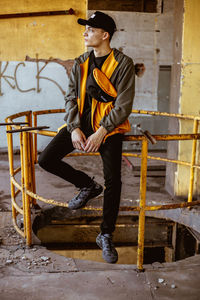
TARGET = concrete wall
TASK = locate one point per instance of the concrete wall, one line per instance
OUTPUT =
(172, 149)
(146, 37)
(189, 90)
(185, 91)
(26, 92)
(49, 36)
(26, 85)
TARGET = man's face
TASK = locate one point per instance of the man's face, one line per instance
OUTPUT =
(93, 36)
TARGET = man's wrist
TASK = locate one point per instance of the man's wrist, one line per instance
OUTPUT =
(71, 127)
(75, 129)
(102, 130)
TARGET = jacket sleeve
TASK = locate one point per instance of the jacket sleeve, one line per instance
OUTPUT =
(72, 116)
(124, 102)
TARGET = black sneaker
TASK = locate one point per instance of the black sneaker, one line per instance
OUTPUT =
(104, 241)
(86, 193)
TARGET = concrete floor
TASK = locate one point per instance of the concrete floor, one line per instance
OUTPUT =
(37, 273)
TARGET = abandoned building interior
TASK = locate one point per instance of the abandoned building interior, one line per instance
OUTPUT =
(48, 251)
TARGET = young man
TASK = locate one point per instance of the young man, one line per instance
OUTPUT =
(94, 126)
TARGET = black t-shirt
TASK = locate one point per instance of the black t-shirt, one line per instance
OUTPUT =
(86, 125)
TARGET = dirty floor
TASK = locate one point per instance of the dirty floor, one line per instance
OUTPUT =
(39, 274)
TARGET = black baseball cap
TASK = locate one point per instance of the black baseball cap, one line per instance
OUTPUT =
(100, 20)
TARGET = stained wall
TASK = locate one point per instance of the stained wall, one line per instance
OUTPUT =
(28, 80)
(189, 92)
(27, 83)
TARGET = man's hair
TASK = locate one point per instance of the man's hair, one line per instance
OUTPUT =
(110, 34)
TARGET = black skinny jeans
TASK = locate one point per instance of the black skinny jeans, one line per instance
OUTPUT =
(111, 153)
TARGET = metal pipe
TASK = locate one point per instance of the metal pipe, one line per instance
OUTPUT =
(17, 228)
(164, 114)
(18, 209)
(164, 137)
(13, 123)
(17, 115)
(141, 228)
(26, 183)
(35, 139)
(146, 133)
(17, 192)
(32, 162)
(27, 129)
(122, 208)
(49, 111)
(11, 167)
(38, 14)
(185, 163)
(16, 170)
(193, 159)
(32, 168)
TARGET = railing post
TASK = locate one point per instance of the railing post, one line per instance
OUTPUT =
(11, 165)
(27, 185)
(32, 165)
(31, 158)
(22, 181)
(143, 181)
(194, 148)
(35, 139)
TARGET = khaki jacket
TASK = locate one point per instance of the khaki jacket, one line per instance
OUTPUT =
(119, 68)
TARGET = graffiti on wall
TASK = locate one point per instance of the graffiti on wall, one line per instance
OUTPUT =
(12, 79)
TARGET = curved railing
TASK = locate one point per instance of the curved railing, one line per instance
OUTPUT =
(28, 156)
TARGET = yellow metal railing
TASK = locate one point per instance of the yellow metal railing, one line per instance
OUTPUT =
(28, 156)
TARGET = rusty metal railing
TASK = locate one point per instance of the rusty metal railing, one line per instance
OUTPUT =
(28, 157)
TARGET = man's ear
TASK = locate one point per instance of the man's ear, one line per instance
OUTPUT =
(106, 35)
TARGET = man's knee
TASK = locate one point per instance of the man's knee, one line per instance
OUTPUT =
(43, 161)
(113, 182)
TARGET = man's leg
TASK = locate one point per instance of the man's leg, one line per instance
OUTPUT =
(51, 160)
(111, 153)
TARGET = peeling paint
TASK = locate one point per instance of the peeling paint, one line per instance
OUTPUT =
(140, 69)
(157, 50)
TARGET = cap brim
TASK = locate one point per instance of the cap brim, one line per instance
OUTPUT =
(82, 22)
(88, 22)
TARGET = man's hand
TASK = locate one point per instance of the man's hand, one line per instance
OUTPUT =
(78, 139)
(94, 141)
